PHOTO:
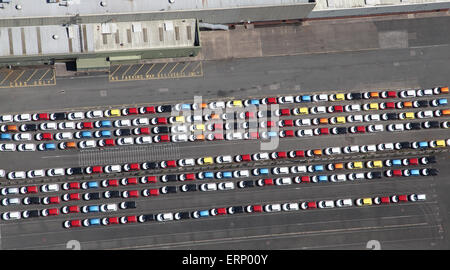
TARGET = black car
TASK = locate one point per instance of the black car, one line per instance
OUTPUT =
(75, 171)
(234, 126)
(164, 108)
(32, 200)
(31, 213)
(431, 171)
(182, 215)
(146, 218)
(28, 127)
(128, 205)
(375, 175)
(413, 126)
(431, 124)
(91, 196)
(188, 187)
(235, 210)
(354, 96)
(339, 130)
(402, 145)
(266, 114)
(150, 166)
(161, 130)
(123, 132)
(58, 116)
(112, 194)
(390, 116)
(168, 189)
(430, 159)
(246, 184)
(421, 103)
(169, 178)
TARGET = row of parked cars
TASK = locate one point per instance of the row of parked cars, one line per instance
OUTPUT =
(255, 208)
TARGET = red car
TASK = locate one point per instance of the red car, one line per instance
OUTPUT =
(321, 131)
(240, 158)
(169, 164)
(252, 136)
(277, 155)
(217, 126)
(387, 105)
(51, 200)
(159, 121)
(50, 212)
(85, 125)
(142, 131)
(71, 197)
(153, 192)
(286, 123)
(309, 205)
(336, 108)
(389, 94)
(399, 198)
(29, 189)
(221, 211)
(265, 182)
(249, 115)
(130, 111)
(128, 219)
(110, 183)
(44, 136)
(107, 142)
(71, 185)
(162, 138)
(129, 181)
(257, 208)
(358, 129)
(72, 223)
(41, 117)
(287, 133)
(268, 124)
(111, 220)
(148, 179)
(395, 173)
(295, 154)
(94, 169)
(144, 110)
(131, 167)
(130, 194)
(413, 161)
(270, 100)
(284, 112)
(70, 209)
(187, 177)
(218, 137)
(385, 200)
(305, 179)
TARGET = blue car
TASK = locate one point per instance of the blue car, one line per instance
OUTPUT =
(103, 134)
(221, 175)
(204, 213)
(90, 208)
(423, 144)
(253, 102)
(206, 175)
(323, 178)
(414, 172)
(261, 171)
(439, 102)
(92, 184)
(184, 107)
(318, 168)
(47, 146)
(91, 222)
(104, 124)
(5, 137)
(85, 134)
(396, 162)
(306, 98)
(272, 134)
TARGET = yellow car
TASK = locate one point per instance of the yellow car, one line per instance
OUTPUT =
(299, 111)
(197, 127)
(370, 106)
(205, 161)
(375, 164)
(176, 119)
(364, 201)
(407, 115)
(337, 97)
(438, 143)
(338, 120)
(234, 103)
(355, 165)
(112, 113)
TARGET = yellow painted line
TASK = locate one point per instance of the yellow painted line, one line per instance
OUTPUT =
(19, 76)
(146, 73)
(162, 69)
(115, 71)
(173, 68)
(32, 74)
(10, 72)
(40, 79)
(138, 70)
(199, 64)
(126, 71)
(185, 67)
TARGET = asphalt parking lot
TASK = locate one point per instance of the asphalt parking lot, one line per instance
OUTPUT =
(28, 77)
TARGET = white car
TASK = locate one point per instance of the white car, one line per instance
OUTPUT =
(224, 159)
(355, 118)
(22, 117)
(94, 114)
(338, 178)
(272, 207)
(180, 138)
(368, 148)
(407, 93)
(321, 97)
(140, 121)
(286, 99)
(424, 92)
(66, 125)
(63, 136)
(208, 187)
(125, 141)
(372, 117)
(6, 118)
(122, 123)
(385, 146)
(303, 122)
(111, 207)
(225, 185)
(304, 133)
(217, 105)
(186, 162)
(298, 169)
(318, 109)
(87, 144)
(375, 128)
(2, 173)
(17, 175)
(332, 151)
(143, 140)
(11, 215)
(280, 170)
(56, 172)
(241, 173)
(352, 108)
(50, 188)
(234, 136)
(344, 203)
(10, 201)
(395, 127)
(35, 173)
(425, 114)
(417, 197)
(26, 147)
(10, 191)
(7, 147)
(194, 118)
(22, 137)
(351, 149)
(75, 116)
(113, 169)
(164, 217)
(261, 156)
(179, 129)
(290, 207)
(326, 204)
(283, 181)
